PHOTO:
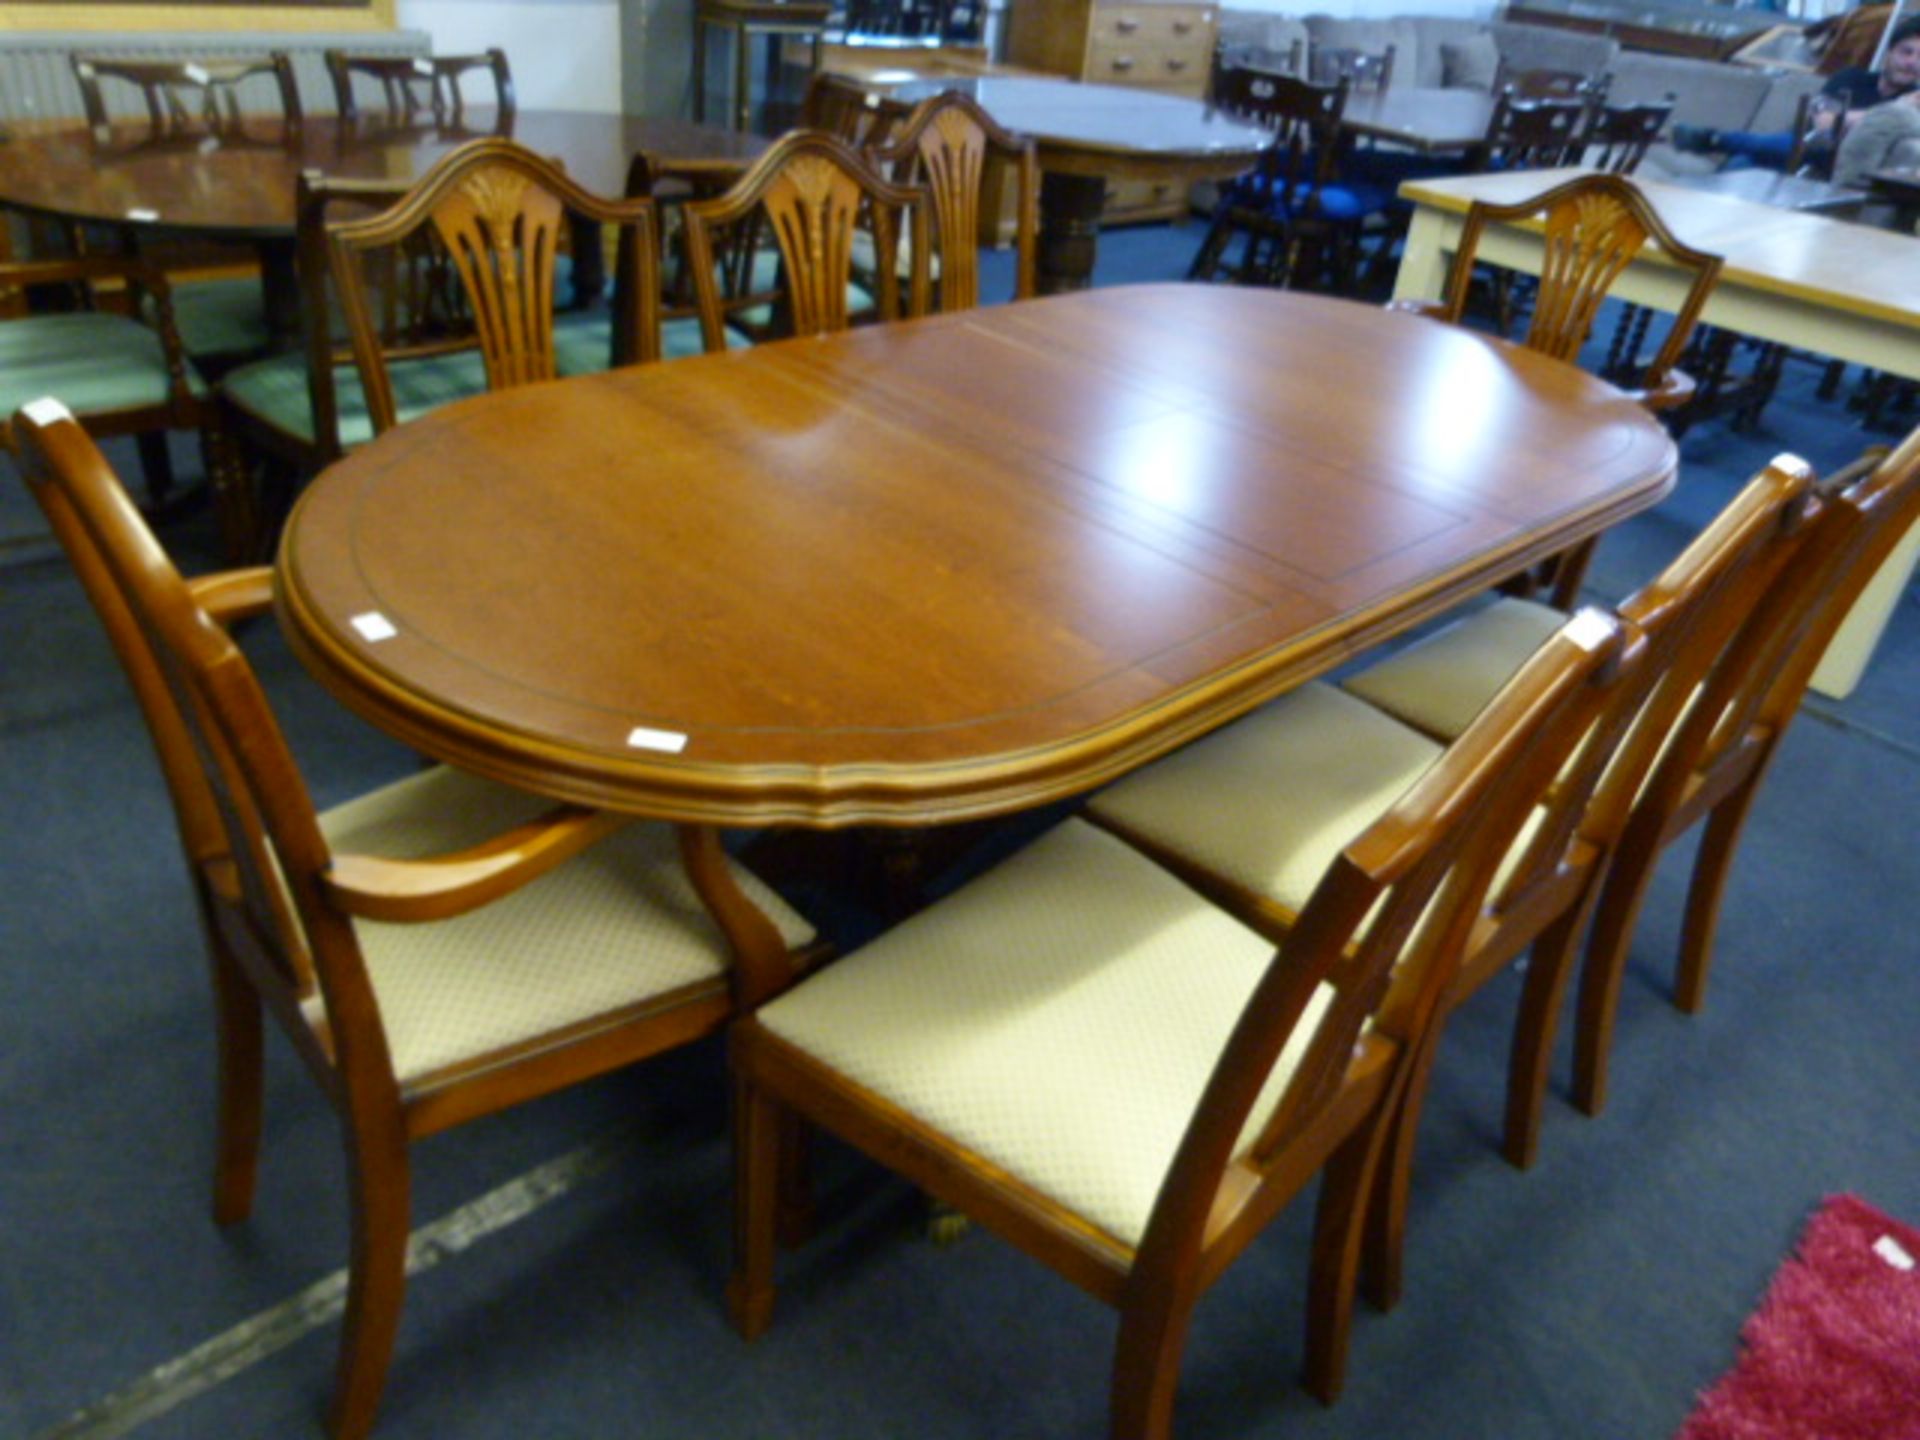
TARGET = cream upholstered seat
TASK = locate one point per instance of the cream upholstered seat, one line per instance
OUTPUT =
(1245, 814)
(436, 951)
(1267, 802)
(1082, 1053)
(1026, 1015)
(1439, 684)
(617, 926)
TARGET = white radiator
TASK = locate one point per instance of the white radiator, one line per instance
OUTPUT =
(36, 74)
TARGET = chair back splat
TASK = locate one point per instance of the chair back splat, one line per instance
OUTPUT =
(1227, 1076)
(410, 84)
(184, 97)
(812, 191)
(953, 147)
(437, 950)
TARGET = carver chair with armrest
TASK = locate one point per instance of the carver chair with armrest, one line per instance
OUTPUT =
(414, 84)
(1594, 227)
(952, 148)
(436, 951)
(1300, 221)
(218, 304)
(446, 289)
(1251, 814)
(1088, 1057)
(120, 373)
(813, 192)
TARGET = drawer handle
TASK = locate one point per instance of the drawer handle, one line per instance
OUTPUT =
(1176, 66)
(1123, 62)
(1183, 27)
(1125, 26)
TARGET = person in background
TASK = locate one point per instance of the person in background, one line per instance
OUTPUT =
(1851, 93)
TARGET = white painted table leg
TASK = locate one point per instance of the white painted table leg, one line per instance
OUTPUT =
(1426, 254)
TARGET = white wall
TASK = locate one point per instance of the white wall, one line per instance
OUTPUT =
(1360, 9)
(565, 53)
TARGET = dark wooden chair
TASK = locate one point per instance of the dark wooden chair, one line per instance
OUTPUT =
(437, 951)
(1618, 136)
(408, 303)
(418, 84)
(218, 304)
(856, 112)
(1362, 70)
(189, 97)
(1085, 1056)
(1250, 814)
(812, 191)
(954, 149)
(1541, 133)
(1300, 221)
(1544, 84)
(123, 370)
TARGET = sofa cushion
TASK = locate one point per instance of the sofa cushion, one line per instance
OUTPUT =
(1541, 47)
(1270, 37)
(1720, 97)
(1369, 37)
(1782, 100)
(1885, 136)
(1469, 64)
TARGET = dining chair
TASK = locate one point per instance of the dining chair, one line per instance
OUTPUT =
(844, 106)
(1084, 1055)
(1593, 226)
(219, 306)
(423, 294)
(188, 97)
(1539, 133)
(1251, 814)
(1618, 137)
(1547, 84)
(812, 191)
(1300, 220)
(122, 370)
(412, 84)
(953, 148)
(1717, 754)
(436, 951)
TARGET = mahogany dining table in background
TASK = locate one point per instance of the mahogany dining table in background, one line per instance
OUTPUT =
(940, 569)
(242, 189)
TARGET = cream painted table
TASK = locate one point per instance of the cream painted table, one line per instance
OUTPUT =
(1801, 279)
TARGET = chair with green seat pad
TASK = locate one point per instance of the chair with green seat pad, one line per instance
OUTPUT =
(444, 290)
(121, 374)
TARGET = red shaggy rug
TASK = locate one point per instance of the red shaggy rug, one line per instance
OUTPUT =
(1833, 1353)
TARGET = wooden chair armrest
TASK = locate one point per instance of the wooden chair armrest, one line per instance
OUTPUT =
(410, 891)
(1675, 389)
(234, 595)
(1432, 309)
(1859, 469)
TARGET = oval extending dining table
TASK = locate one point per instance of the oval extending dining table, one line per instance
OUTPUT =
(940, 569)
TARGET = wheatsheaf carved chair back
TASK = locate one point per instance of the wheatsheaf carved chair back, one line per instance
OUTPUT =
(813, 192)
(954, 148)
(1090, 1058)
(435, 951)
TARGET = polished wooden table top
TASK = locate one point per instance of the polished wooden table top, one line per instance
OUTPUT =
(245, 188)
(950, 567)
(1109, 129)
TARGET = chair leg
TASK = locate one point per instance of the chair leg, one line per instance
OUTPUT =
(237, 1023)
(1537, 1026)
(156, 463)
(376, 1278)
(756, 1202)
(795, 1222)
(1618, 913)
(1146, 1360)
(1346, 1185)
(1383, 1272)
(1711, 866)
(1206, 260)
